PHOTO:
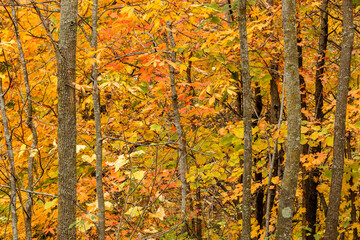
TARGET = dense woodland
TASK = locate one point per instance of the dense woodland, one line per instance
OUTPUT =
(165, 119)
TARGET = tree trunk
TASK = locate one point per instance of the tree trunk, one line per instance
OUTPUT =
(353, 194)
(66, 64)
(320, 66)
(310, 184)
(274, 92)
(291, 77)
(30, 123)
(331, 232)
(9, 146)
(246, 79)
(274, 116)
(179, 129)
(97, 116)
(259, 198)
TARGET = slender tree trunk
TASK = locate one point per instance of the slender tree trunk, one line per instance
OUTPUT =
(320, 66)
(10, 154)
(246, 78)
(229, 13)
(198, 225)
(30, 123)
(352, 193)
(259, 199)
(305, 150)
(274, 116)
(331, 232)
(291, 76)
(66, 64)
(179, 129)
(274, 164)
(310, 183)
(274, 92)
(97, 116)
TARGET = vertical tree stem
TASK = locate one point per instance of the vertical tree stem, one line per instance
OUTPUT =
(66, 64)
(98, 150)
(246, 79)
(179, 129)
(291, 76)
(331, 232)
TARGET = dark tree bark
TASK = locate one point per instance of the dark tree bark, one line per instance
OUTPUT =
(259, 198)
(291, 77)
(274, 92)
(320, 66)
(97, 116)
(352, 193)
(247, 106)
(310, 184)
(331, 232)
(66, 65)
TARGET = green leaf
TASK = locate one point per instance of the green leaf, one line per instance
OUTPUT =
(227, 140)
(214, 19)
(327, 173)
(50, 204)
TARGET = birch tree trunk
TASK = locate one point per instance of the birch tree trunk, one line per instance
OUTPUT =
(331, 232)
(98, 150)
(66, 65)
(291, 76)
(246, 79)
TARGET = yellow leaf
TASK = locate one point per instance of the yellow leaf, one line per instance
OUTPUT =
(172, 64)
(79, 148)
(183, 67)
(88, 159)
(84, 226)
(322, 188)
(33, 152)
(108, 205)
(121, 161)
(148, 135)
(150, 230)
(30, 137)
(193, 59)
(329, 141)
(138, 175)
(275, 180)
(50, 203)
(160, 213)
(134, 211)
(22, 149)
(314, 136)
(137, 153)
(128, 10)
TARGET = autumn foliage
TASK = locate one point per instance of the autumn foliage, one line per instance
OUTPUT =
(141, 178)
